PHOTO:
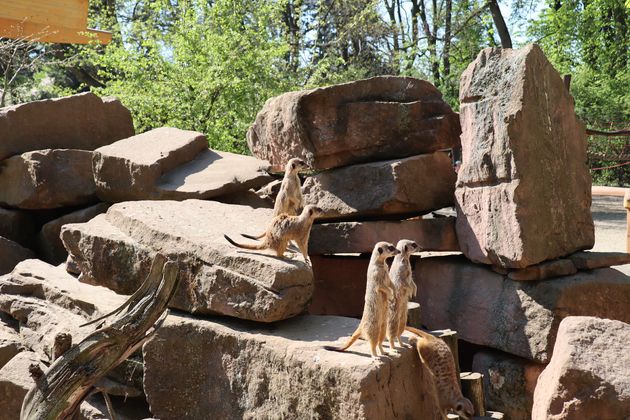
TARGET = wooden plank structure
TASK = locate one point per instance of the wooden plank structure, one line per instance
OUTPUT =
(56, 21)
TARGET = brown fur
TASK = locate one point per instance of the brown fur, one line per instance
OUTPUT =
(289, 198)
(377, 294)
(404, 289)
(283, 229)
(437, 357)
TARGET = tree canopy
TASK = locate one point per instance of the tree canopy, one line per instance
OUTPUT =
(209, 65)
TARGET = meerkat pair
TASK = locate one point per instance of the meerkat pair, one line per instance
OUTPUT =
(378, 292)
(286, 225)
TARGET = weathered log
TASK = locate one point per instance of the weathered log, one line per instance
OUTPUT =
(58, 393)
(472, 388)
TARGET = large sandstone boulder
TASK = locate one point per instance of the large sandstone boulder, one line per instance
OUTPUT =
(12, 253)
(523, 191)
(242, 370)
(383, 189)
(520, 318)
(10, 342)
(169, 163)
(588, 376)
(508, 383)
(380, 118)
(46, 179)
(215, 277)
(360, 237)
(49, 245)
(82, 121)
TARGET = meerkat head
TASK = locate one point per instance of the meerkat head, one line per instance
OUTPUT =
(406, 246)
(295, 165)
(464, 408)
(312, 211)
(385, 250)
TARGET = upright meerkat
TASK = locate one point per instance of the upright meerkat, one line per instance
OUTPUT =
(438, 358)
(289, 198)
(404, 289)
(285, 228)
(378, 292)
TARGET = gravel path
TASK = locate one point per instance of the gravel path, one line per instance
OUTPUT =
(609, 216)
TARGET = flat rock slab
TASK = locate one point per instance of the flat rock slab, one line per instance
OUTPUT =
(213, 174)
(523, 191)
(360, 237)
(216, 277)
(380, 118)
(237, 369)
(383, 189)
(544, 270)
(17, 225)
(169, 163)
(49, 245)
(587, 377)
(12, 253)
(591, 260)
(508, 383)
(46, 300)
(47, 179)
(82, 121)
(520, 318)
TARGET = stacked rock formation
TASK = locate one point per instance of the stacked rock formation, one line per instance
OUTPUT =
(523, 200)
(378, 146)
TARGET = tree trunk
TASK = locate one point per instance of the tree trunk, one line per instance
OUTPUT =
(499, 22)
(57, 394)
(446, 50)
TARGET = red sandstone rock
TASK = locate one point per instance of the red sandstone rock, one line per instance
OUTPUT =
(520, 318)
(523, 191)
(380, 118)
(587, 377)
(82, 121)
(12, 253)
(383, 189)
(47, 179)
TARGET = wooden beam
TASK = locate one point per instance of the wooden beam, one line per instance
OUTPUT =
(67, 13)
(40, 32)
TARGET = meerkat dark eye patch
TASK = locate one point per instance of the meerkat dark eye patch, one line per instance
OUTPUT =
(380, 250)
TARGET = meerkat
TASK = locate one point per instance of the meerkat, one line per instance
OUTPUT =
(404, 289)
(378, 292)
(289, 198)
(438, 358)
(285, 228)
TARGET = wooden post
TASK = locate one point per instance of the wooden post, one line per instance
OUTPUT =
(414, 315)
(57, 393)
(626, 204)
(450, 338)
(472, 388)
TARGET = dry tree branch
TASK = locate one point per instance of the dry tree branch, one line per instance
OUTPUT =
(58, 392)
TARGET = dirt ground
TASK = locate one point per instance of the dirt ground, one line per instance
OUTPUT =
(609, 216)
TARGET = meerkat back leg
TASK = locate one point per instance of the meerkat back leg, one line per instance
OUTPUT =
(282, 247)
(373, 348)
(303, 245)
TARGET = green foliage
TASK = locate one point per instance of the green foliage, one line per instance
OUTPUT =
(197, 66)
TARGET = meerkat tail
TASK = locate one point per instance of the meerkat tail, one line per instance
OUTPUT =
(245, 246)
(254, 237)
(355, 336)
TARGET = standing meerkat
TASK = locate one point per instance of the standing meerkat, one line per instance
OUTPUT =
(378, 292)
(438, 358)
(404, 289)
(285, 228)
(289, 198)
